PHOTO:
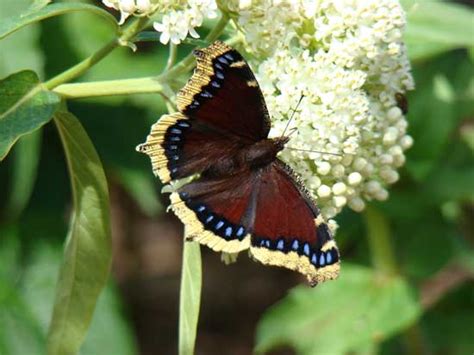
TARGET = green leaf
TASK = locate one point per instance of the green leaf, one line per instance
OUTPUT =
(24, 107)
(354, 312)
(24, 171)
(21, 50)
(14, 23)
(436, 26)
(190, 297)
(87, 254)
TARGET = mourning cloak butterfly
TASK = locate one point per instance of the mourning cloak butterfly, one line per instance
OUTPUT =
(244, 196)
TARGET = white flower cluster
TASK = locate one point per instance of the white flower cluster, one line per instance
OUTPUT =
(179, 18)
(176, 24)
(130, 7)
(348, 60)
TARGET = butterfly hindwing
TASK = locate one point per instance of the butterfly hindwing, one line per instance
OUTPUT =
(288, 230)
(212, 210)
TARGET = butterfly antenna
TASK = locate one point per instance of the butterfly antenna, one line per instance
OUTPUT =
(317, 151)
(292, 115)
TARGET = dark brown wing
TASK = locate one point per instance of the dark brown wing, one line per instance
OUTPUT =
(288, 229)
(222, 110)
(224, 94)
(214, 210)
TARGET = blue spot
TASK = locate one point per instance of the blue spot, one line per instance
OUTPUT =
(314, 259)
(195, 103)
(295, 245)
(173, 147)
(262, 243)
(306, 249)
(219, 224)
(219, 75)
(281, 245)
(322, 261)
(223, 60)
(183, 195)
(219, 66)
(174, 170)
(228, 231)
(206, 94)
(184, 124)
(229, 57)
(328, 257)
(175, 157)
(209, 219)
(176, 131)
(201, 208)
(175, 139)
(215, 84)
(240, 231)
(267, 243)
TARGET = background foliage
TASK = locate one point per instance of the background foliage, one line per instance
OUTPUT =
(413, 294)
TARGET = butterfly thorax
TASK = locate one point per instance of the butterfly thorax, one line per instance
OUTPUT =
(262, 153)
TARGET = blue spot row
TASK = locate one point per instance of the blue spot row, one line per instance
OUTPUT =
(213, 222)
(317, 257)
(220, 65)
(173, 142)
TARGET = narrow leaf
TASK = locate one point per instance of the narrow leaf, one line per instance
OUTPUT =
(87, 254)
(359, 310)
(14, 23)
(25, 105)
(190, 297)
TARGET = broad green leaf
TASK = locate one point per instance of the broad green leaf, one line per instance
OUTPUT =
(190, 297)
(87, 254)
(25, 105)
(341, 316)
(21, 50)
(14, 23)
(436, 26)
(26, 156)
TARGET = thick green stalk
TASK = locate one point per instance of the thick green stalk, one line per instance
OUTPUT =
(190, 297)
(380, 244)
(110, 88)
(135, 26)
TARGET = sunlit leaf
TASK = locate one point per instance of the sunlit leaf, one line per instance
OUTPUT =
(337, 317)
(14, 23)
(87, 253)
(25, 105)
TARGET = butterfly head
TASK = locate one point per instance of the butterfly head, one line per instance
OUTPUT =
(279, 142)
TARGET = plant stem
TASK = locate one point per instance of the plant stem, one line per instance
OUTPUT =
(379, 239)
(187, 63)
(189, 297)
(109, 88)
(172, 56)
(135, 26)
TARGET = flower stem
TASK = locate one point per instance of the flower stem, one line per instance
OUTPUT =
(187, 63)
(78, 69)
(379, 239)
(189, 297)
(110, 88)
(172, 56)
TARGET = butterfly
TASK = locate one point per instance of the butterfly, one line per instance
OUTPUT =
(244, 197)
